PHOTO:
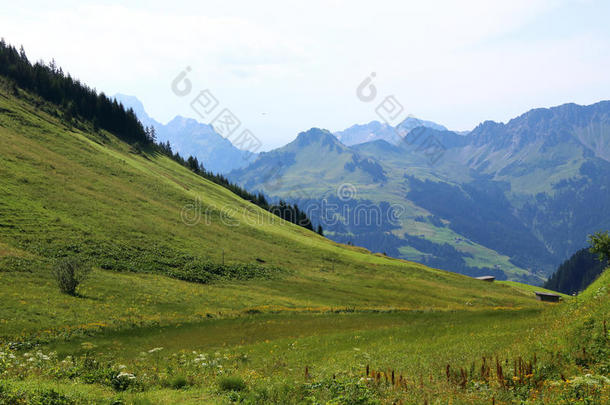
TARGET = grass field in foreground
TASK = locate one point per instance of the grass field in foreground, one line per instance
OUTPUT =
(322, 358)
(272, 350)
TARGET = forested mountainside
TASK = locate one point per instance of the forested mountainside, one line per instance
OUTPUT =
(576, 273)
(513, 200)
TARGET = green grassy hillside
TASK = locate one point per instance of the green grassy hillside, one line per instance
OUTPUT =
(303, 328)
(71, 191)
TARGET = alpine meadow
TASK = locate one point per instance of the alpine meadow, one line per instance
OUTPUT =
(192, 259)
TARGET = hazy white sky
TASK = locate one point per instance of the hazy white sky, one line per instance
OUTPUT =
(283, 68)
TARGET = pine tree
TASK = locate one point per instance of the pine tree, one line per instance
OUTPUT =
(153, 134)
(22, 54)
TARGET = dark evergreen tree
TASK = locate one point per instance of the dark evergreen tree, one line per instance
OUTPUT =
(576, 273)
(78, 102)
(153, 134)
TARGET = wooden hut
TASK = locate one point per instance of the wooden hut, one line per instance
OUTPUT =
(549, 297)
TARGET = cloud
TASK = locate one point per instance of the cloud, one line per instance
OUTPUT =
(453, 62)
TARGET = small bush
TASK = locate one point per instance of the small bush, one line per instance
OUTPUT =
(178, 382)
(231, 383)
(205, 272)
(69, 273)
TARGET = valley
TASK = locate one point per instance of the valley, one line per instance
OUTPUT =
(130, 275)
(490, 205)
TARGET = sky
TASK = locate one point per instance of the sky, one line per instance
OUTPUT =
(283, 67)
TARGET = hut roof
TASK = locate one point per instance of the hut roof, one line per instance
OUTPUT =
(546, 294)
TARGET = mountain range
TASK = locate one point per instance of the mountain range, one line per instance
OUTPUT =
(509, 199)
(192, 138)
(500, 199)
(376, 130)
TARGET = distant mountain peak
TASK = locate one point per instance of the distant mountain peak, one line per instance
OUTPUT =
(180, 121)
(371, 125)
(316, 135)
(375, 130)
(188, 136)
(129, 101)
(134, 103)
(412, 122)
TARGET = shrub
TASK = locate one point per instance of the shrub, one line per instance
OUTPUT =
(178, 382)
(205, 271)
(231, 383)
(69, 273)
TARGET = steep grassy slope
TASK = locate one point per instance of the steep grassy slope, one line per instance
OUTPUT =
(71, 191)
